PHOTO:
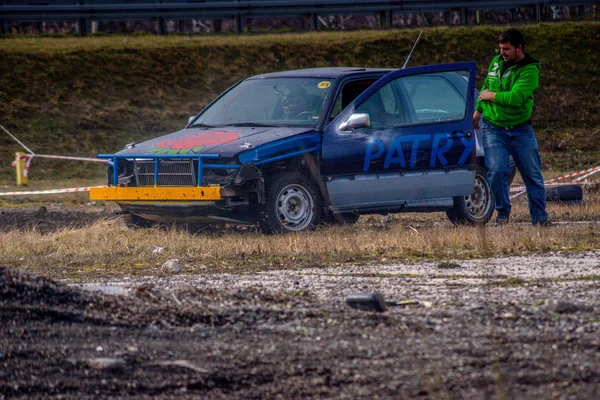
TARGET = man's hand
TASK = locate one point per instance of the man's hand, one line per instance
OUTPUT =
(486, 95)
(476, 118)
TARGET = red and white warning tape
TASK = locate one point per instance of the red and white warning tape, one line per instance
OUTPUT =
(71, 158)
(585, 171)
(31, 154)
(27, 165)
(522, 188)
(29, 158)
(581, 178)
(552, 182)
(17, 140)
(516, 194)
(50, 191)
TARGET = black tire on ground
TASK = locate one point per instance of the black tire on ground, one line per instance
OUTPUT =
(293, 204)
(566, 193)
(476, 208)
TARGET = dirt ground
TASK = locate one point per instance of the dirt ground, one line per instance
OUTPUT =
(503, 328)
(50, 219)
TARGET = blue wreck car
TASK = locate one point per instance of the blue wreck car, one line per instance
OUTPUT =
(290, 150)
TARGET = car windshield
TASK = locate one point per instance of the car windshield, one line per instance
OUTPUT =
(269, 102)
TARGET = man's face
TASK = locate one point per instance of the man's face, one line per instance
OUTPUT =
(511, 53)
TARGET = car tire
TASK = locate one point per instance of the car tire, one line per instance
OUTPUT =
(565, 194)
(292, 204)
(476, 208)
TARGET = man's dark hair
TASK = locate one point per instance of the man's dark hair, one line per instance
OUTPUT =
(514, 36)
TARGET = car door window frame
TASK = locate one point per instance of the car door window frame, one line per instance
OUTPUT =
(352, 79)
(392, 75)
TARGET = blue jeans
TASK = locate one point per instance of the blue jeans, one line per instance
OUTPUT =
(521, 143)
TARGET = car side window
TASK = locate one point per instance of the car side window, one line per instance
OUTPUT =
(435, 98)
(388, 99)
(417, 99)
(384, 107)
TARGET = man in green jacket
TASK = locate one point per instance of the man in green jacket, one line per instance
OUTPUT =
(506, 102)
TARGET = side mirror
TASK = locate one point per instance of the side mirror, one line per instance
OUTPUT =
(356, 121)
(190, 119)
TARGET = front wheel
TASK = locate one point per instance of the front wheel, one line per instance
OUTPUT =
(292, 205)
(476, 208)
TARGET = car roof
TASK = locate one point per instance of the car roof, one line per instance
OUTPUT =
(328, 73)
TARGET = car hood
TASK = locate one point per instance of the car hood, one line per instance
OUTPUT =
(226, 142)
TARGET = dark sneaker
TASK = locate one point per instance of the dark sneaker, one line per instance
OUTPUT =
(545, 224)
(502, 219)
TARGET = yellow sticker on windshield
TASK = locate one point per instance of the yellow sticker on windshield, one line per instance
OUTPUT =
(324, 85)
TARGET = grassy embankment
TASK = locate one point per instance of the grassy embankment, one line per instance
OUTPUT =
(83, 96)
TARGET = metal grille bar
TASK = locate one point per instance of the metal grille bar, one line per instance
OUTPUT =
(170, 172)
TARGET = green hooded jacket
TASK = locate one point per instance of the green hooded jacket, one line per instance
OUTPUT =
(514, 85)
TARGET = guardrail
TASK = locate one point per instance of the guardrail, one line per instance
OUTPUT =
(85, 11)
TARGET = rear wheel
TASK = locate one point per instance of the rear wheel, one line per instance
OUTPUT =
(292, 205)
(476, 208)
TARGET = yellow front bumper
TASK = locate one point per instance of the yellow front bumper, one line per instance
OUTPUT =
(117, 193)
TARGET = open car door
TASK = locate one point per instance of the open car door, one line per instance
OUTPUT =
(407, 138)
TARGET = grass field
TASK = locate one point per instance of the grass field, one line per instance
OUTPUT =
(108, 248)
